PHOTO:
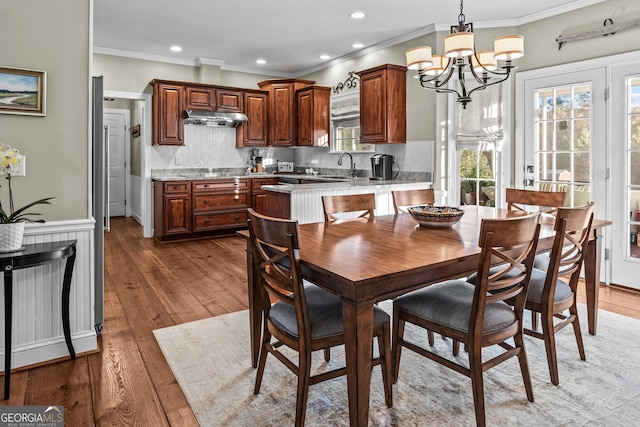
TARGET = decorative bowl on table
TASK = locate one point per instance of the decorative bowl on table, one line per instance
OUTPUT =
(436, 216)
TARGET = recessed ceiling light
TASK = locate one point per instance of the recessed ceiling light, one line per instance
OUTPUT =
(175, 49)
(357, 15)
(260, 61)
(325, 57)
(358, 45)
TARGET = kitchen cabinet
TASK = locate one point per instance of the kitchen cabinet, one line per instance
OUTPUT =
(200, 98)
(258, 195)
(220, 204)
(383, 104)
(229, 100)
(172, 208)
(278, 205)
(167, 111)
(314, 124)
(282, 114)
(255, 131)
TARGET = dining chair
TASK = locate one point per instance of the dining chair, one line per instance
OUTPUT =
(364, 204)
(477, 315)
(304, 316)
(553, 292)
(403, 199)
(548, 201)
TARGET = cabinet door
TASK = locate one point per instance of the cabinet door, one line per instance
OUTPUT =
(254, 132)
(229, 100)
(177, 214)
(281, 115)
(168, 122)
(200, 98)
(305, 117)
(373, 123)
(260, 203)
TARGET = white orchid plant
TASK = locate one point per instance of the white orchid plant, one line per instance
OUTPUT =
(10, 159)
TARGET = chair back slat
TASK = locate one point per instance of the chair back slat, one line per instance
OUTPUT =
(512, 242)
(364, 203)
(572, 228)
(517, 199)
(275, 246)
(403, 199)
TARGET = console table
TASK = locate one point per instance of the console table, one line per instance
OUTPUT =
(34, 255)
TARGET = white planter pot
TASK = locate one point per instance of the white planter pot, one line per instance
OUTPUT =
(11, 237)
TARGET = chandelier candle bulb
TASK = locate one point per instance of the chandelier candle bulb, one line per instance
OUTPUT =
(509, 47)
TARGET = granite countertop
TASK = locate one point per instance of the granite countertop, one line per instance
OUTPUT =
(340, 184)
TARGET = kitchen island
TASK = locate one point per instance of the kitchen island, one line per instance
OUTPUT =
(303, 202)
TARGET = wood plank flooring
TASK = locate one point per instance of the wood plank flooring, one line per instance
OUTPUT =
(150, 285)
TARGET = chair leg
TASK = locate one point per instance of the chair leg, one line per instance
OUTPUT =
(430, 338)
(456, 347)
(384, 348)
(524, 366)
(534, 321)
(262, 362)
(475, 369)
(398, 333)
(304, 373)
(576, 330)
(550, 346)
(327, 354)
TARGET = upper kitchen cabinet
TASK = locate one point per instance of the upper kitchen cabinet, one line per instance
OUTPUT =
(200, 98)
(254, 132)
(312, 106)
(282, 114)
(229, 100)
(168, 106)
(213, 99)
(383, 105)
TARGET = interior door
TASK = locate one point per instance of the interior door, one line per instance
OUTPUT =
(118, 123)
(625, 177)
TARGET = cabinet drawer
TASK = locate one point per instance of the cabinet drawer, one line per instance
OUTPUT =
(221, 184)
(256, 183)
(223, 220)
(176, 187)
(209, 202)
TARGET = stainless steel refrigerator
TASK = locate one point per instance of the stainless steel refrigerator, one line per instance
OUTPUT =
(100, 193)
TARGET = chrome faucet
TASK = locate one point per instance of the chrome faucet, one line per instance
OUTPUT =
(353, 165)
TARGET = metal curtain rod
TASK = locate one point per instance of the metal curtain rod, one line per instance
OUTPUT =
(607, 29)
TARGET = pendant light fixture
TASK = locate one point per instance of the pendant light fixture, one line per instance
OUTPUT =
(460, 57)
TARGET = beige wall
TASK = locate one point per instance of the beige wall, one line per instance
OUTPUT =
(52, 37)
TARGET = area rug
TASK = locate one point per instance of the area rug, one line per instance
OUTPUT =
(211, 360)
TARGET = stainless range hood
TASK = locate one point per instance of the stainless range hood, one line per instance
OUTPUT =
(213, 118)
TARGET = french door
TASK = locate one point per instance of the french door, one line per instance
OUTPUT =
(625, 176)
(562, 144)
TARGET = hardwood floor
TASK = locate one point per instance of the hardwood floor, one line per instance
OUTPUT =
(150, 285)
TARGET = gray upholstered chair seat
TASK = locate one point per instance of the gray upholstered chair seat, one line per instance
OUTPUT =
(449, 303)
(325, 314)
(536, 285)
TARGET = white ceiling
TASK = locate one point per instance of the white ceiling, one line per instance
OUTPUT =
(289, 34)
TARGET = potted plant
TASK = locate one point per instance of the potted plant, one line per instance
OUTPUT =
(12, 221)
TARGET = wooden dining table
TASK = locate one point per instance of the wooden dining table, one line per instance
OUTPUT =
(364, 262)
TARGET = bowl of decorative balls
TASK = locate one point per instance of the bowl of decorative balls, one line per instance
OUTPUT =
(436, 216)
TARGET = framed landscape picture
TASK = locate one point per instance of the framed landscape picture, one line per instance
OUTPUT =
(22, 91)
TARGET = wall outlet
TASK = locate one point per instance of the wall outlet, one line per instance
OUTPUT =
(178, 161)
(21, 168)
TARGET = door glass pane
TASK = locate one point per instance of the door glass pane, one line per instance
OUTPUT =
(633, 156)
(563, 149)
(477, 177)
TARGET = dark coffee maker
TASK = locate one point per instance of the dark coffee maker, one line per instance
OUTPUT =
(381, 166)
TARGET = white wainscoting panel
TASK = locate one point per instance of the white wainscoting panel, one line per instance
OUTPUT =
(136, 198)
(37, 334)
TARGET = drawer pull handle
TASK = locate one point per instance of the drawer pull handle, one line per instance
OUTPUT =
(205, 202)
(237, 218)
(236, 197)
(207, 221)
(206, 186)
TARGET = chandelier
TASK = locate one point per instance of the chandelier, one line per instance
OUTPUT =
(435, 71)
